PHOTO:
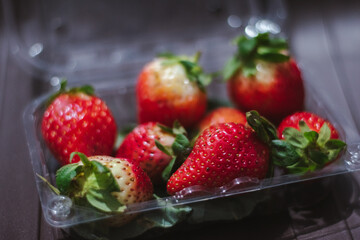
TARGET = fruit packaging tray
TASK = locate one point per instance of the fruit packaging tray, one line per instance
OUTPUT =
(120, 98)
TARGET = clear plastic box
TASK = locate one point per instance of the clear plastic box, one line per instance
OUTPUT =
(121, 99)
(110, 53)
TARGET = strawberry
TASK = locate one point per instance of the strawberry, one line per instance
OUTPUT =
(307, 143)
(77, 120)
(313, 121)
(172, 88)
(263, 77)
(222, 115)
(139, 146)
(222, 153)
(105, 183)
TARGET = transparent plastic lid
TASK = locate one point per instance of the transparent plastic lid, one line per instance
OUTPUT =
(60, 212)
(85, 40)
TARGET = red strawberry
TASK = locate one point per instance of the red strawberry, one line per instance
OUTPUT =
(222, 115)
(307, 143)
(222, 153)
(313, 121)
(261, 76)
(105, 183)
(139, 146)
(171, 88)
(76, 120)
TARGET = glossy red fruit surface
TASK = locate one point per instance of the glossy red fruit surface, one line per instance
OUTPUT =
(222, 153)
(313, 121)
(275, 91)
(139, 146)
(78, 122)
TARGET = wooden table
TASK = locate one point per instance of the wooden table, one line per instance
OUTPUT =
(324, 34)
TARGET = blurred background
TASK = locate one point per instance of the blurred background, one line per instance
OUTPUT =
(109, 41)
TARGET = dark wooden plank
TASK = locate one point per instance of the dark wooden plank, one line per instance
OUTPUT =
(19, 212)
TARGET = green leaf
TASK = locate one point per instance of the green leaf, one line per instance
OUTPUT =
(263, 38)
(303, 126)
(65, 175)
(324, 135)
(178, 128)
(180, 145)
(165, 128)
(168, 169)
(248, 69)
(273, 57)
(231, 67)
(265, 50)
(335, 144)
(295, 138)
(82, 156)
(246, 46)
(283, 154)
(163, 148)
(279, 43)
(104, 201)
(205, 79)
(311, 136)
(318, 157)
(265, 130)
(99, 168)
(334, 147)
(87, 89)
(103, 178)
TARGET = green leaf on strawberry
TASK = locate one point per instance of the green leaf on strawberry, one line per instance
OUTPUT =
(91, 183)
(262, 47)
(65, 175)
(265, 130)
(179, 150)
(192, 68)
(305, 150)
(86, 89)
(302, 150)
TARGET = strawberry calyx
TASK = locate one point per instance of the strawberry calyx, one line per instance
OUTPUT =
(262, 47)
(86, 89)
(265, 130)
(305, 150)
(192, 68)
(90, 184)
(178, 151)
(302, 150)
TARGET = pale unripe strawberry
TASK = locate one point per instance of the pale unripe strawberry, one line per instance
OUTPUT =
(105, 183)
(135, 185)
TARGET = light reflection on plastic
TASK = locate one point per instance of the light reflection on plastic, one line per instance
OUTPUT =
(267, 26)
(55, 81)
(36, 49)
(251, 31)
(234, 21)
